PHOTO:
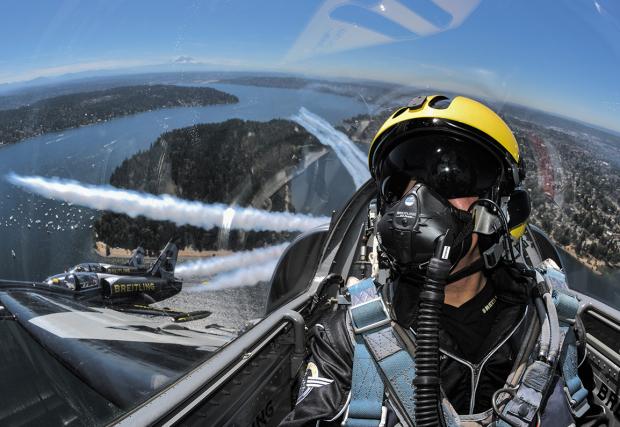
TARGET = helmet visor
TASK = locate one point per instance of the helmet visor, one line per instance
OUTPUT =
(452, 166)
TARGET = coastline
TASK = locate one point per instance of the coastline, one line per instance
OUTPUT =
(92, 119)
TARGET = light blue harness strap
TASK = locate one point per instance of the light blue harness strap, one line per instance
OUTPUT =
(576, 394)
(524, 405)
(397, 367)
(380, 361)
(567, 307)
(523, 408)
(367, 389)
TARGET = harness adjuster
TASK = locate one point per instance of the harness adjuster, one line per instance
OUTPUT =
(577, 407)
(374, 325)
(382, 421)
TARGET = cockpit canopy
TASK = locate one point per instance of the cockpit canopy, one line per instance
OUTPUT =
(74, 281)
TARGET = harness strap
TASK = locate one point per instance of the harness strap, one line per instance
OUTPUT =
(567, 307)
(576, 393)
(367, 314)
(521, 410)
(396, 365)
(525, 403)
(366, 390)
(381, 359)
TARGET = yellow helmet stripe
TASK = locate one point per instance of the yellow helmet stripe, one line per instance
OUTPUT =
(461, 110)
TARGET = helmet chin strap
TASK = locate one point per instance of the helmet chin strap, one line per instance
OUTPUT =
(465, 236)
(463, 239)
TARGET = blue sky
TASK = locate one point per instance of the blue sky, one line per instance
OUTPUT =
(557, 55)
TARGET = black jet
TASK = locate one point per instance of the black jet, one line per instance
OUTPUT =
(92, 281)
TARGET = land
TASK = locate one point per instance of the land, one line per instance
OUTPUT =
(573, 168)
(574, 183)
(367, 91)
(573, 178)
(226, 162)
(14, 97)
(79, 109)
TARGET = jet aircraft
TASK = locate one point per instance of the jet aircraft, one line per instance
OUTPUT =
(131, 283)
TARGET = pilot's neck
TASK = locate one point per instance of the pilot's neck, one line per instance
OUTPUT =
(461, 291)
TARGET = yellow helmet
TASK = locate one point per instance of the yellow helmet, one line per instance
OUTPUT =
(458, 146)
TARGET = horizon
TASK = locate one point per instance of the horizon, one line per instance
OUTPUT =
(15, 89)
(563, 64)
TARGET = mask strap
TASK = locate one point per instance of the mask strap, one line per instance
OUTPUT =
(464, 237)
(474, 267)
(466, 231)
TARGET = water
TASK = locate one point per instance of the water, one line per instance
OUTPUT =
(48, 236)
(605, 288)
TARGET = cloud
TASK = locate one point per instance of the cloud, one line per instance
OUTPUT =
(245, 276)
(185, 60)
(79, 67)
(211, 266)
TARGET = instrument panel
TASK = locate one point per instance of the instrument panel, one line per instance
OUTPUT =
(602, 325)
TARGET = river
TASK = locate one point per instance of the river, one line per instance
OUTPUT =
(47, 236)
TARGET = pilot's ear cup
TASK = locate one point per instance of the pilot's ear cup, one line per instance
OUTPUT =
(519, 208)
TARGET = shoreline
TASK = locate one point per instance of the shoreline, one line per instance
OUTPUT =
(103, 119)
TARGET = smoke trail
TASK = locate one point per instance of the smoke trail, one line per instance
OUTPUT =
(164, 207)
(351, 157)
(212, 266)
(248, 276)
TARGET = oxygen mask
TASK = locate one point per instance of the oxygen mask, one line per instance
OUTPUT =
(410, 227)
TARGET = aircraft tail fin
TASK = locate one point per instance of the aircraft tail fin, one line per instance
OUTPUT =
(166, 262)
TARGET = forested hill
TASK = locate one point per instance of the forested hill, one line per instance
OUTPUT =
(68, 111)
(221, 162)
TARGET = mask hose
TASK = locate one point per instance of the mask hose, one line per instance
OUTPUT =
(427, 380)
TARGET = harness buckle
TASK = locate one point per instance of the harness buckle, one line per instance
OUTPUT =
(374, 325)
(383, 420)
(577, 407)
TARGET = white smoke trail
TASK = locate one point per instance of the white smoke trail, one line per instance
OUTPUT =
(248, 276)
(164, 207)
(212, 266)
(351, 157)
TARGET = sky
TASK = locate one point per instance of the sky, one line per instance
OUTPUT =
(561, 56)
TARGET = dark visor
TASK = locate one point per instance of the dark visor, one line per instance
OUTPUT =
(452, 166)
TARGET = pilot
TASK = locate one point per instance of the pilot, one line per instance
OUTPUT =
(461, 331)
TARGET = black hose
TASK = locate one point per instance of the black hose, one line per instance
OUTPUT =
(426, 382)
